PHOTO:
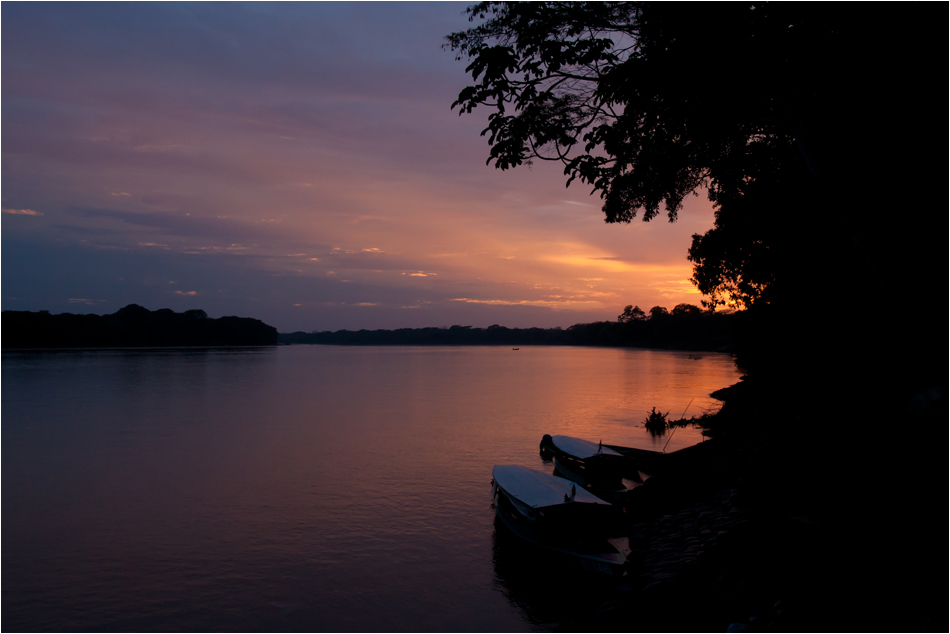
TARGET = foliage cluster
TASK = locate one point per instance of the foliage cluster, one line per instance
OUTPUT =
(656, 422)
(132, 326)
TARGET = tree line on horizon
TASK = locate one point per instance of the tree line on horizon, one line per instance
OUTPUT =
(132, 326)
(686, 327)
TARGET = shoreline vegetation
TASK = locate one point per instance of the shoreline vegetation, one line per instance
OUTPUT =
(132, 326)
(686, 327)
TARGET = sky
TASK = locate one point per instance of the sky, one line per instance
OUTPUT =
(299, 163)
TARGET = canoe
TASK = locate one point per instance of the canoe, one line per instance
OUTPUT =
(560, 517)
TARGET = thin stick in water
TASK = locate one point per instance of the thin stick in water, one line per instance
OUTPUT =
(674, 429)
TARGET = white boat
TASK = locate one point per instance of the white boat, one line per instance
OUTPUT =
(594, 466)
(608, 471)
(557, 515)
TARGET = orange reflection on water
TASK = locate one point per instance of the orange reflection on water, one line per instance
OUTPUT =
(607, 394)
(318, 487)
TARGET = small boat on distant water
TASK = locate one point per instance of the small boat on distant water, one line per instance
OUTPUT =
(554, 514)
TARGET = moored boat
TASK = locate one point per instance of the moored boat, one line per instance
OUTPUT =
(594, 466)
(557, 515)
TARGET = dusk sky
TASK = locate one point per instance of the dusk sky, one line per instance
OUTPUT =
(297, 163)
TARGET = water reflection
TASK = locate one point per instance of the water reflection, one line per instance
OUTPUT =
(313, 488)
(545, 589)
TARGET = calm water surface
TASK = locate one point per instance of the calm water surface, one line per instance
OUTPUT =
(302, 488)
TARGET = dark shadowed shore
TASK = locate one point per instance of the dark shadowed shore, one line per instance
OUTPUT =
(763, 529)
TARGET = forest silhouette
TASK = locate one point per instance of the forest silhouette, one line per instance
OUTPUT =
(132, 326)
(685, 328)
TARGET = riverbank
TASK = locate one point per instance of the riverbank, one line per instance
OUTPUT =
(762, 530)
(685, 328)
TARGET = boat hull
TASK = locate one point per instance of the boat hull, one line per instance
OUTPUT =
(605, 561)
(614, 495)
(604, 472)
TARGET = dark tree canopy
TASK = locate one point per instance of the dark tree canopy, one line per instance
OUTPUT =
(766, 106)
(132, 326)
(645, 102)
(630, 314)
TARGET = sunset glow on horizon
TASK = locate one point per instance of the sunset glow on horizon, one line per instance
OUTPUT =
(295, 163)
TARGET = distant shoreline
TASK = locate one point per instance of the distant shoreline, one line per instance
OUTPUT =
(131, 327)
(707, 332)
(143, 348)
(137, 327)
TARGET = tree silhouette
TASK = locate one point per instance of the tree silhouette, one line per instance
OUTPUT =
(785, 114)
(132, 325)
(608, 89)
(614, 91)
(630, 314)
(686, 310)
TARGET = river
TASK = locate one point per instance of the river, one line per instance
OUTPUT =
(315, 488)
